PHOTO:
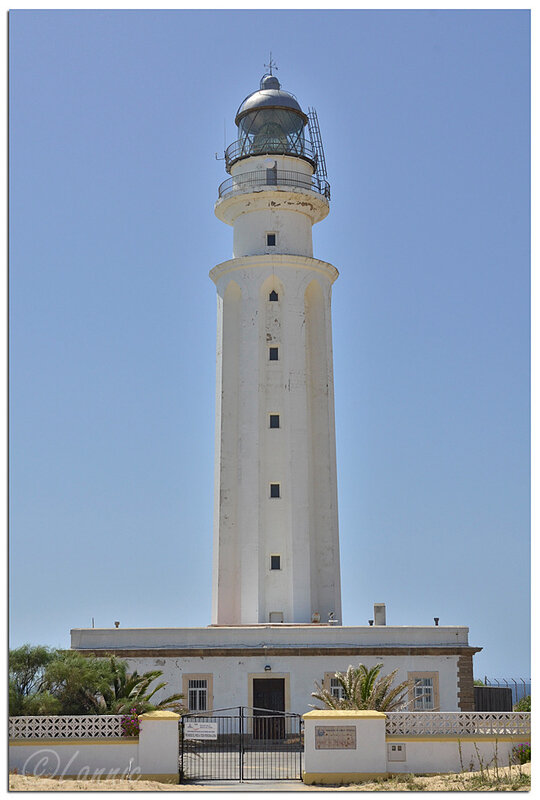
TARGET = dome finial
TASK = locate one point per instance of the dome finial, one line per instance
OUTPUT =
(269, 80)
(272, 65)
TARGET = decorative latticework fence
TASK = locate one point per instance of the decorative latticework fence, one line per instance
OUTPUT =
(60, 727)
(458, 723)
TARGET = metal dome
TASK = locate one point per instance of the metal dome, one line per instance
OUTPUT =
(269, 82)
(270, 95)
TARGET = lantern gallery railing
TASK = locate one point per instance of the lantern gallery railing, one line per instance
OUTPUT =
(269, 146)
(458, 723)
(273, 179)
(63, 727)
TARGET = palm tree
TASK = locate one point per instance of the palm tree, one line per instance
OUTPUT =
(363, 689)
(128, 691)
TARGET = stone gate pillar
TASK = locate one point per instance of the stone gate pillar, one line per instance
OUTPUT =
(344, 746)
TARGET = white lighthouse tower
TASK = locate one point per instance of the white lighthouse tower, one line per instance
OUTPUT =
(276, 548)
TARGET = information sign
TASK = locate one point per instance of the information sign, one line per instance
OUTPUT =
(335, 737)
(200, 730)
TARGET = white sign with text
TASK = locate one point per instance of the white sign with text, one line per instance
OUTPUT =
(200, 730)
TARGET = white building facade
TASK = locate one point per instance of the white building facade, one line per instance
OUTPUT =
(276, 618)
(256, 665)
(219, 668)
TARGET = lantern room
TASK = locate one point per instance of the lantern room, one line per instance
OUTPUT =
(270, 121)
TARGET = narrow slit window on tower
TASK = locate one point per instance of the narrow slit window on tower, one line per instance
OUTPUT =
(274, 420)
(274, 490)
(273, 353)
(273, 296)
(270, 239)
(275, 562)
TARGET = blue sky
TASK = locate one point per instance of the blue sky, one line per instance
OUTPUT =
(114, 121)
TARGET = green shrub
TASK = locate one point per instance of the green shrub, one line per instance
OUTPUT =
(130, 723)
(521, 753)
(524, 704)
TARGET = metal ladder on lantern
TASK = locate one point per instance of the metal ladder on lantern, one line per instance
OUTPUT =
(316, 140)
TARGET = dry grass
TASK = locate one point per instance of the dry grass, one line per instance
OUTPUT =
(517, 779)
(505, 779)
(27, 783)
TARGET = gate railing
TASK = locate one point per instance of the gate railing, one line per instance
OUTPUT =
(241, 744)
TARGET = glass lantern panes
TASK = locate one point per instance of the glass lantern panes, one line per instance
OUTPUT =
(271, 130)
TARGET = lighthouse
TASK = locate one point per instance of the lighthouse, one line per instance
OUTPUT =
(276, 612)
(276, 547)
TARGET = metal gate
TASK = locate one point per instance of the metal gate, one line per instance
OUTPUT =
(241, 744)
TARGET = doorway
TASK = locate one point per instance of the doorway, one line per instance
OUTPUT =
(268, 699)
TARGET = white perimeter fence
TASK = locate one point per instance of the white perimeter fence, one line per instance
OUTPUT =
(93, 747)
(458, 723)
(82, 727)
(339, 747)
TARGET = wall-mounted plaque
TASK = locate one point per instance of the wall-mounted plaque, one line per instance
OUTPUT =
(335, 737)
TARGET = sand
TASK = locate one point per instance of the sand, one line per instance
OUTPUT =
(435, 783)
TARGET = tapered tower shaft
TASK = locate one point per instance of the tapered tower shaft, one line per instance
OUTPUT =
(276, 549)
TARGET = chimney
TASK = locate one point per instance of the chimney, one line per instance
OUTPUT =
(379, 613)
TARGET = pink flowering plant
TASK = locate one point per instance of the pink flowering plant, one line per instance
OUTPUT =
(522, 753)
(130, 723)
